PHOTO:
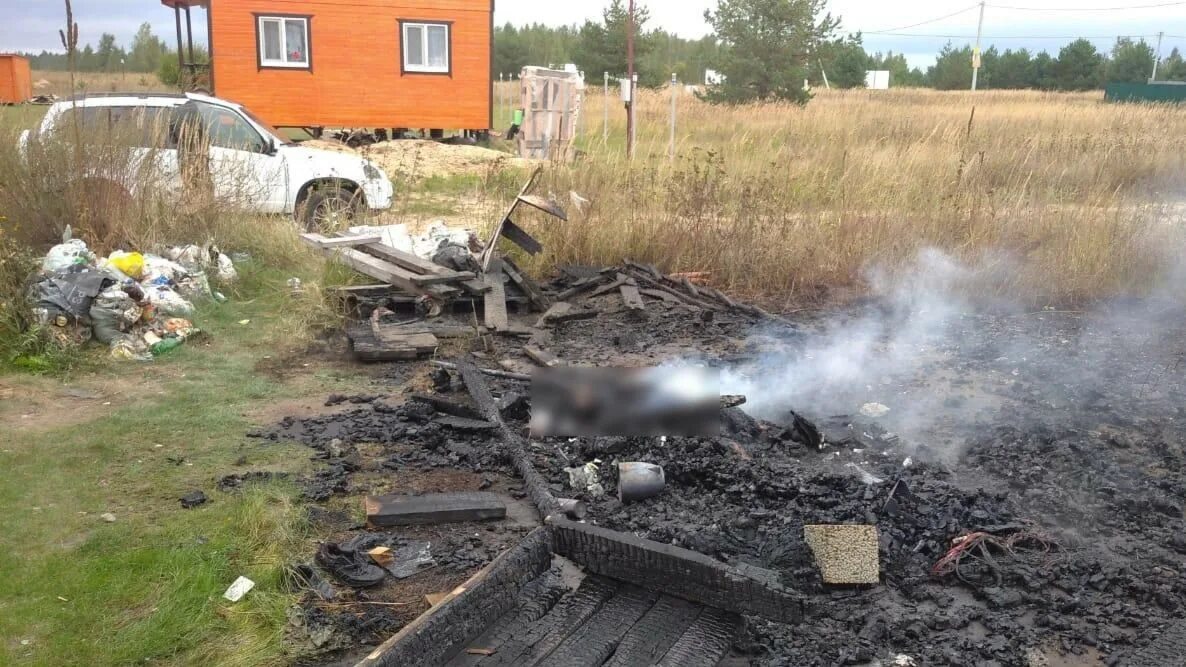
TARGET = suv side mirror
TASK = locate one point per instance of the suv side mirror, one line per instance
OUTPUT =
(269, 146)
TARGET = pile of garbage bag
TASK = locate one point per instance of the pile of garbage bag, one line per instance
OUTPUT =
(140, 305)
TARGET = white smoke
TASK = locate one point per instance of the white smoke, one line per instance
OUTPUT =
(856, 360)
(914, 348)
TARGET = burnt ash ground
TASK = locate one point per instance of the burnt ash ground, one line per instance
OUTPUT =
(1066, 426)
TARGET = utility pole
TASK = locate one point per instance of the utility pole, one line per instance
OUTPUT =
(605, 120)
(976, 52)
(674, 94)
(1157, 59)
(630, 80)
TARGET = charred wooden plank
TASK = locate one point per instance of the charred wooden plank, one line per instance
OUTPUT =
(327, 242)
(542, 357)
(386, 271)
(406, 260)
(581, 285)
(447, 406)
(660, 294)
(523, 377)
(566, 617)
(534, 601)
(433, 508)
(546, 205)
(564, 312)
(596, 639)
(654, 634)
(443, 279)
(438, 330)
(463, 424)
(618, 281)
(534, 294)
(368, 346)
(479, 391)
(685, 298)
(518, 331)
(517, 235)
(392, 337)
(495, 301)
(631, 296)
(705, 642)
(429, 273)
(488, 253)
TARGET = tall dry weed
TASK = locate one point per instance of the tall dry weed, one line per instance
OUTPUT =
(1076, 197)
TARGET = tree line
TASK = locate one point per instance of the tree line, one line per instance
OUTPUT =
(768, 48)
(146, 54)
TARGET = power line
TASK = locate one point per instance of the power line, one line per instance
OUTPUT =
(915, 25)
(1088, 9)
(908, 34)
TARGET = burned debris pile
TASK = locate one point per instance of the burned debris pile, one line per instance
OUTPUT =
(445, 270)
(1044, 534)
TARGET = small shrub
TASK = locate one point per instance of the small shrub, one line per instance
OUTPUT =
(169, 72)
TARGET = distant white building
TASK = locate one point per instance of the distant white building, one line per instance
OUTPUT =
(877, 79)
(713, 77)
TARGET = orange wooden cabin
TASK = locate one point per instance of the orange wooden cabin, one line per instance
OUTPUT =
(16, 81)
(416, 64)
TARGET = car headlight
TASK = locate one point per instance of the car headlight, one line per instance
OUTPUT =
(371, 172)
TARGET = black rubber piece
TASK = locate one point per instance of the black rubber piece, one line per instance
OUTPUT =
(1167, 650)
(536, 599)
(706, 642)
(569, 614)
(595, 641)
(654, 634)
(350, 566)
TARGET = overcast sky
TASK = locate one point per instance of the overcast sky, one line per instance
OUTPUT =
(34, 26)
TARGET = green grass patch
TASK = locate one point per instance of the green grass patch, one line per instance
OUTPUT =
(148, 588)
(22, 116)
(428, 206)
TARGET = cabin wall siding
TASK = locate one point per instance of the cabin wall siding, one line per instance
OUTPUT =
(356, 78)
(16, 81)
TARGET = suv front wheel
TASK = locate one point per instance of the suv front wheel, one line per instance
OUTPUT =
(329, 210)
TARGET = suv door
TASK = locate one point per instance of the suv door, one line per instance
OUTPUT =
(243, 166)
(130, 145)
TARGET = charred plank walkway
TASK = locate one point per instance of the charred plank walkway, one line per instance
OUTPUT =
(602, 622)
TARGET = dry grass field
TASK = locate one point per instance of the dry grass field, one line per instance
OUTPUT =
(58, 83)
(1062, 197)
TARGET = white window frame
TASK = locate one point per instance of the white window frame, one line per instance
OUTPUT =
(425, 68)
(264, 60)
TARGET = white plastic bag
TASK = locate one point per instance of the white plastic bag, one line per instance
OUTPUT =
(157, 267)
(167, 301)
(189, 256)
(194, 285)
(67, 254)
(225, 272)
(427, 244)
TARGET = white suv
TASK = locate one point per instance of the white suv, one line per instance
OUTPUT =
(239, 156)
